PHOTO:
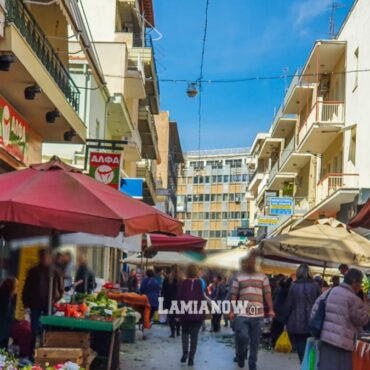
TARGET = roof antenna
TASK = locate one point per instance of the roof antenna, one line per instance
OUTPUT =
(334, 7)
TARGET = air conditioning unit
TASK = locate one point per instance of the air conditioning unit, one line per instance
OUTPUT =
(324, 85)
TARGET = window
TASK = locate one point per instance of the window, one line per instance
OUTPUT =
(224, 234)
(205, 234)
(234, 163)
(196, 180)
(197, 165)
(218, 234)
(201, 179)
(219, 178)
(206, 179)
(188, 198)
(244, 215)
(206, 197)
(206, 215)
(245, 177)
(214, 179)
(200, 234)
(225, 197)
(200, 197)
(212, 234)
(214, 164)
(231, 197)
(225, 215)
(226, 178)
(356, 54)
(187, 232)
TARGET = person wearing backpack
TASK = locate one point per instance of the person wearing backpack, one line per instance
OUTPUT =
(345, 315)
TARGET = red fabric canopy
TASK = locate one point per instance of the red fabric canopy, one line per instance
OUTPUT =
(362, 219)
(55, 196)
(183, 243)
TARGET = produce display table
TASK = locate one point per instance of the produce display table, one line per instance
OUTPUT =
(138, 302)
(98, 328)
(361, 356)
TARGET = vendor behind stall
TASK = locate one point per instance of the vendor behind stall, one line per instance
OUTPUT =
(35, 294)
(85, 278)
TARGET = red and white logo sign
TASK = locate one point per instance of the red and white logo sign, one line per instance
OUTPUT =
(105, 168)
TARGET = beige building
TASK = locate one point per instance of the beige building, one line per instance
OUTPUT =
(211, 195)
(171, 158)
(316, 152)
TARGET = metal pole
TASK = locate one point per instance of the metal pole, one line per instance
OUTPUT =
(324, 270)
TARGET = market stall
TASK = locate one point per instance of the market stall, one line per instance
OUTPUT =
(361, 355)
(52, 199)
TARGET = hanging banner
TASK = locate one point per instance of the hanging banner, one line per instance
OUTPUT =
(105, 168)
(13, 131)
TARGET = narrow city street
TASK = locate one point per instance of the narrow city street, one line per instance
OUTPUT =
(215, 351)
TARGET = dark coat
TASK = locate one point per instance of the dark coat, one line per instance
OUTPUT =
(87, 276)
(191, 290)
(280, 298)
(7, 314)
(36, 288)
(169, 292)
(301, 298)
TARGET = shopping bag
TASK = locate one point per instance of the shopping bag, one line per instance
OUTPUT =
(311, 355)
(283, 343)
(162, 318)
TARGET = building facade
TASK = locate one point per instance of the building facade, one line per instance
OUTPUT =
(171, 158)
(211, 195)
(314, 161)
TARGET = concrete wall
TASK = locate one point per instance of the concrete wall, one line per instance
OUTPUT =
(356, 31)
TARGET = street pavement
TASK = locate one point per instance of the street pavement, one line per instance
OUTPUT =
(215, 351)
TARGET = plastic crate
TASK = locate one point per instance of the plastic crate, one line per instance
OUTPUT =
(128, 336)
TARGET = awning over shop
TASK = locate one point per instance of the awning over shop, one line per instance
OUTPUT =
(165, 243)
(362, 219)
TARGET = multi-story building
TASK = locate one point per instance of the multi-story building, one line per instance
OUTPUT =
(171, 157)
(320, 158)
(211, 194)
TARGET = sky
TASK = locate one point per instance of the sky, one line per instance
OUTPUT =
(246, 38)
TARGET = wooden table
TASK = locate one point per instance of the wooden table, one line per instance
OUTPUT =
(93, 326)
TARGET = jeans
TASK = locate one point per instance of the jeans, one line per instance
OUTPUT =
(35, 323)
(247, 334)
(299, 342)
(190, 330)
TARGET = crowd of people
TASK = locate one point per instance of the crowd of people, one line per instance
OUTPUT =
(286, 302)
(35, 296)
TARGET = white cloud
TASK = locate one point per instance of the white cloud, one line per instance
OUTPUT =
(307, 10)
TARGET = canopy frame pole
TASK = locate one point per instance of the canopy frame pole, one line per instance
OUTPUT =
(324, 270)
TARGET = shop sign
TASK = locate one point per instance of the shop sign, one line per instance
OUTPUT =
(281, 206)
(13, 131)
(105, 168)
(235, 241)
(268, 221)
(132, 187)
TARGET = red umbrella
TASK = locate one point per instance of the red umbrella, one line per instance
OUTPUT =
(362, 219)
(57, 197)
(183, 243)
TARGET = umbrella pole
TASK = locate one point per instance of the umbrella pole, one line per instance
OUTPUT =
(324, 270)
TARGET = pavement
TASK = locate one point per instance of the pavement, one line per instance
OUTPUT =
(215, 351)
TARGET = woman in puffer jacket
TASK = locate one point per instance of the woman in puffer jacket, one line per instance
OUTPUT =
(345, 314)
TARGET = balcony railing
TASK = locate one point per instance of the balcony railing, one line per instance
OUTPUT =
(332, 182)
(327, 113)
(274, 171)
(20, 16)
(288, 150)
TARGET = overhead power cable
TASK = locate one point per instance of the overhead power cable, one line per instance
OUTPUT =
(200, 78)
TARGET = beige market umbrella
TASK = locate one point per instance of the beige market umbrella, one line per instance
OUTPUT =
(327, 242)
(231, 260)
(162, 259)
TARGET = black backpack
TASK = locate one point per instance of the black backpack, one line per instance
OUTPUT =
(316, 322)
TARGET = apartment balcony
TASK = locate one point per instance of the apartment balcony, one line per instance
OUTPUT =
(37, 63)
(142, 49)
(336, 184)
(323, 123)
(278, 178)
(148, 132)
(121, 126)
(144, 171)
(291, 161)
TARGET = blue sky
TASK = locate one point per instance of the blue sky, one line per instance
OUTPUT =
(245, 38)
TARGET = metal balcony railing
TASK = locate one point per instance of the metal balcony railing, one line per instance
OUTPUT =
(328, 113)
(332, 182)
(22, 19)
